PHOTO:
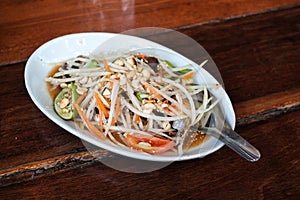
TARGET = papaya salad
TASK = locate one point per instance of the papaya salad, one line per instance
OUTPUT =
(135, 101)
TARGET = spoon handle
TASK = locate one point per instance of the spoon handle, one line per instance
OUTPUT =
(234, 141)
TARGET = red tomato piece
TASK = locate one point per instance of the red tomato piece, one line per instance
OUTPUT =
(149, 144)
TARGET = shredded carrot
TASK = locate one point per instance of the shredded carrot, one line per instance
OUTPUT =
(101, 106)
(167, 109)
(100, 120)
(113, 122)
(107, 69)
(116, 113)
(80, 98)
(141, 56)
(106, 66)
(152, 90)
(189, 74)
(88, 123)
(137, 119)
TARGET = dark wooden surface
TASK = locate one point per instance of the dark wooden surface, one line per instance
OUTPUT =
(256, 46)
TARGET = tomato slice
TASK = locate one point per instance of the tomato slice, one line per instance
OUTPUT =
(149, 144)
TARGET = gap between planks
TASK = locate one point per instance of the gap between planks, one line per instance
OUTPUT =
(247, 112)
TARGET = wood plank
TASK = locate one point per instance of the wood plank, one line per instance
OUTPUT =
(259, 51)
(222, 174)
(267, 106)
(27, 25)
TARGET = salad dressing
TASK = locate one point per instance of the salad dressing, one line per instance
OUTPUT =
(53, 91)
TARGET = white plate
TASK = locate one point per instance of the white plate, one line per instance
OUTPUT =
(41, 62)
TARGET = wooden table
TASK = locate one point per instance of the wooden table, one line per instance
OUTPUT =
(255, 44)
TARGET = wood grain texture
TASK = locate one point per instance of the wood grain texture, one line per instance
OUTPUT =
(33, 146)
(25, 25)
(220, 175)
(267, 106)
(256, 46)
(260, 51)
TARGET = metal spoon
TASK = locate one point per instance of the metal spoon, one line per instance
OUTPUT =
(227, 135)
